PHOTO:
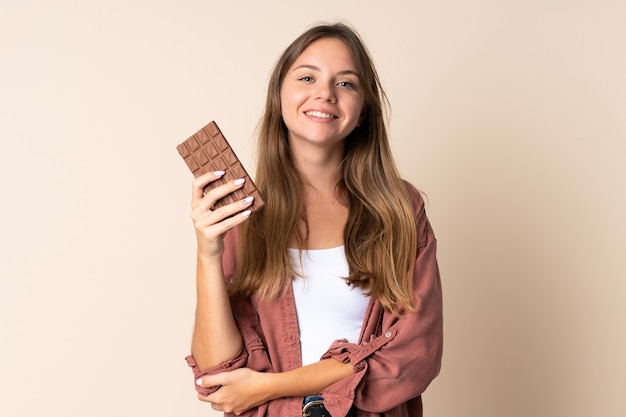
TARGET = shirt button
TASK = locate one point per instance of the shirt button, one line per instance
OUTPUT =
(388, 334)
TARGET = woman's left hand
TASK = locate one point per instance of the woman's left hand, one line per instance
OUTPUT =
(240, 390)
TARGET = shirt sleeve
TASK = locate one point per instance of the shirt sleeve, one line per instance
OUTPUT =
(403, 354)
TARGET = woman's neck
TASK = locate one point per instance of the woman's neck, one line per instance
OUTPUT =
(326, 217)
(320, 169)
(325, 204)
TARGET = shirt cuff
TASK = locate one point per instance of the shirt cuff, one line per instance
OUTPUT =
(239, 361)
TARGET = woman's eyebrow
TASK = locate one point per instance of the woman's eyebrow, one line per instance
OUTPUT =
(314, 68)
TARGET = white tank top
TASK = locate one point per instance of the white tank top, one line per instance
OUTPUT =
(328, 309)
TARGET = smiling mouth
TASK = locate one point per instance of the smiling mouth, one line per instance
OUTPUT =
(320, 114)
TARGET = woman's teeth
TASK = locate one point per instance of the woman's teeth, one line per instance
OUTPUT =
(319, 114)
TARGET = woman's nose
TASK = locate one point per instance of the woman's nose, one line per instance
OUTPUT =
(326, 92)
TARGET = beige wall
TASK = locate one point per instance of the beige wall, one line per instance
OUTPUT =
(510, 115)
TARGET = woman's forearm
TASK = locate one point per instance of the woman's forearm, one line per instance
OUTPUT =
(216, 337)
(243, 388)
(308, 380)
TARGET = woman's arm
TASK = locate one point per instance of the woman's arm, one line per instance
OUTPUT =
(243, 389)
(215, 334)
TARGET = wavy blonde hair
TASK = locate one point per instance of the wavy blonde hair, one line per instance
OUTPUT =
(380, 234)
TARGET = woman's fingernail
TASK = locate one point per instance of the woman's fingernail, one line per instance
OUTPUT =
(199, 381)
(239, 181)
(219, 173)
(246, 213)
(248, 200)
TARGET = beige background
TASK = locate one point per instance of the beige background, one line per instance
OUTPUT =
(510, 115)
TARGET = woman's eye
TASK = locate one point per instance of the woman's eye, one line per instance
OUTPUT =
(346, 84)
(306, 79)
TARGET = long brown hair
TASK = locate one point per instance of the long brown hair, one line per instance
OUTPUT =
(380, 236)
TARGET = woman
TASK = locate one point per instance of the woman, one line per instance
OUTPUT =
(274, 332)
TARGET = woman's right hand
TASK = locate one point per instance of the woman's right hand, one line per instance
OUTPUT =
(212, 224)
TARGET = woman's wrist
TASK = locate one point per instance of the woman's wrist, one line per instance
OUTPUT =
(209, 254)
(209, 263)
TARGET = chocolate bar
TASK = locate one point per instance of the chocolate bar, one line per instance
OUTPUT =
(207, 151)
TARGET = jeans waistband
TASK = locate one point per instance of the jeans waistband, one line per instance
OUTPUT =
(318, 409)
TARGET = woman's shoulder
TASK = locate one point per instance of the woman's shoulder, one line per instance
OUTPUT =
(416, 196)
(424, 230)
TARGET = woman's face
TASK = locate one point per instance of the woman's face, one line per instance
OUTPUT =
(321, 95)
